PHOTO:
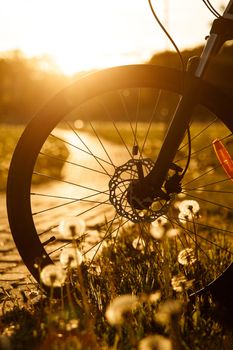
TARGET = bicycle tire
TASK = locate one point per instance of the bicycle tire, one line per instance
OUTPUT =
(21, 217)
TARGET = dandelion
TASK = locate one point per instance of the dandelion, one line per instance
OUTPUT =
(53, 275)
(186, 257)
(71, 257)
(180, 283)
(168, 310)
(154, 297)
(184, 217)
(155, 342)
(71, 228)
(138, 243)
(189, 206)
(161, 221)
(118, 307)
(156, 232)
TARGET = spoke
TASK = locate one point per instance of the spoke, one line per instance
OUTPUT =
(136, 120)
(210, 184)
(88, 149)
(115, 126)
(203, 148)
(107, 234)
(127, 118)
(79, 214)
(67, 203)
(101, 143)
(67, 182)
(210, 202)
(150, 122)
(190, 233)
(198, 134)
(81, 149)
(205, 173)
(211, 191)
(72, 163)
(71, 198)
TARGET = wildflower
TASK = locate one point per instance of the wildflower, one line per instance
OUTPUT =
(186, 257)
(120, 305)
(53, 275)
(154, 297)
(71, 257)
(161, 221)
(180, 283)
(168, 310)
(155, 342)
(189, 206)
(156, 232)
(72, 227)
(183, 217)
(138, 243)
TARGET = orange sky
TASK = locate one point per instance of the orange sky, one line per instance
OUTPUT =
(86, 34)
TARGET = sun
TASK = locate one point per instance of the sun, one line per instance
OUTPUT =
(86, 35)
(80, 36)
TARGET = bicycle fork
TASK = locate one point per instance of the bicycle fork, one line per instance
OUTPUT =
(142, 193)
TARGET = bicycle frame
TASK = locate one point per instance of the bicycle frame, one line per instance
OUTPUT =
(150, 186)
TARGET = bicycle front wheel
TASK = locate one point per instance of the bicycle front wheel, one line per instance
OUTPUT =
(75, 161)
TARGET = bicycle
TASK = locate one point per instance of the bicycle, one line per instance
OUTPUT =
(139, 181)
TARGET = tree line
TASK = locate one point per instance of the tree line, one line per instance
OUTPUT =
(24, 86)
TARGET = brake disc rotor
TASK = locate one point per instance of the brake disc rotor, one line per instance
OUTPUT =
(126, 174)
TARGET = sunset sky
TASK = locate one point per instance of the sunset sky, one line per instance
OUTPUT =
(85, 34)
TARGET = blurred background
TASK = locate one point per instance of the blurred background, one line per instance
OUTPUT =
(47, 44)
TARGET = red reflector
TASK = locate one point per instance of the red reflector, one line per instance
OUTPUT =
(223, 157)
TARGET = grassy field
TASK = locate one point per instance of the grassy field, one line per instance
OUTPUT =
(10, 135)
(151, 313)
(135, 296)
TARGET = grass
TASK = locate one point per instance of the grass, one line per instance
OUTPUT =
(156, 287)
(159, 308)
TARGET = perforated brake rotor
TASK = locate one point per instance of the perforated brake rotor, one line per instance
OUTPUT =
(119, 184)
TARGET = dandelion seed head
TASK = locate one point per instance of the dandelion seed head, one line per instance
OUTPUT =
(184, 217)
(71, 257)
(53, 275)
(180, 283)
(155, 342)
(157, 232)
(186, 257)
(138, 243)
(72, 227)
(154, 297)
(161, 221)
(120, 305)
(189, 206)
